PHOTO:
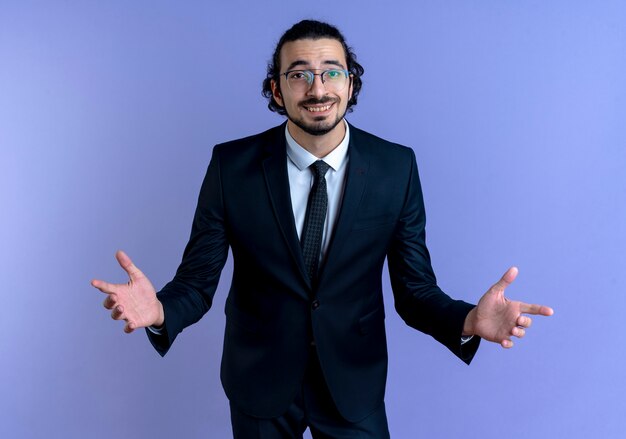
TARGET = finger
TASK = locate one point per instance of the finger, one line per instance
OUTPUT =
(109, 302)
(506, 344)
(103, 286)
(117, 313)
(506, 279)
(524, 321)
(127, 265)
(542, 310)
(518, 332)
(129, 328)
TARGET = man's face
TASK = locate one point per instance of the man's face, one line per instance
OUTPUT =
(317, 109)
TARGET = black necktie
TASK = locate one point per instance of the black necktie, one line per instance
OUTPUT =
(311, 239)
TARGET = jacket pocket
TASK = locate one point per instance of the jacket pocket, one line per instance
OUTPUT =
(243, 319)
(371, 320)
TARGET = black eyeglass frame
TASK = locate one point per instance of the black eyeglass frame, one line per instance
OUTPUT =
(313, 74)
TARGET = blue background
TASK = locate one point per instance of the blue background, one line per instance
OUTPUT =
(108, 114)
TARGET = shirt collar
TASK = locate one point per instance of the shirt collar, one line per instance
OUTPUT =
(303, 158)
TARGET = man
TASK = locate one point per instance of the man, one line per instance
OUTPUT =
(311, 209)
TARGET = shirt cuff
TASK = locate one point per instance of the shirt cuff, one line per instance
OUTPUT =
(463, 339)
(159, 331)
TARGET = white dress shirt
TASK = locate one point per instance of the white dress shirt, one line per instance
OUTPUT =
(301, 181)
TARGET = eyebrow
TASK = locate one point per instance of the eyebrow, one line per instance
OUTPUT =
(301, 62)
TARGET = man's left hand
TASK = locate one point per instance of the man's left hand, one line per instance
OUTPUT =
(497, 318)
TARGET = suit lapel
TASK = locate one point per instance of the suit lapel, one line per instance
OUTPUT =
(277, 180)
(356, 179)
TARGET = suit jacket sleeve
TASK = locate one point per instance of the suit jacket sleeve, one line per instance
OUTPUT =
(418, 299)
(190, 294)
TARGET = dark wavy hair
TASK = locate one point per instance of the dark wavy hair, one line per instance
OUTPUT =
(314, 30)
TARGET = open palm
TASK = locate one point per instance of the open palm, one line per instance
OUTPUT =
(497, 318)
(135, 301)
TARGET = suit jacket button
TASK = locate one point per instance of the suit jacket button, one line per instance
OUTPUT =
(315, 304)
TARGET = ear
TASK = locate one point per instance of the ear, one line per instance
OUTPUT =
(351, 88)
(278, 97)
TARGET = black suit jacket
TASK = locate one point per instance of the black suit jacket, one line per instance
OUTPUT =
(273, 312)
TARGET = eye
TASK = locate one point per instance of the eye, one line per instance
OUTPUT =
(299, 75)
(334, 74)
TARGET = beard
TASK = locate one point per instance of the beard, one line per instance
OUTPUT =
(320, 125)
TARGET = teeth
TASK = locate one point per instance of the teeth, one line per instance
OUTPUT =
(316, 109)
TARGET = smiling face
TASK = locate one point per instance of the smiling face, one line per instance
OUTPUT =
(316, 110)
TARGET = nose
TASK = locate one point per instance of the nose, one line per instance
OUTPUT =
(317, 88)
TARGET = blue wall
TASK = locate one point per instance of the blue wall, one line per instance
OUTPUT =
(108, 113)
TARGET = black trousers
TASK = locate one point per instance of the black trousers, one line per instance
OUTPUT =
(312, 408)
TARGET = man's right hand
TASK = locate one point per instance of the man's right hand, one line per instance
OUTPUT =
(134, 302)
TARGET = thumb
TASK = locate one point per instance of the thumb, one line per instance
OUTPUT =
(133, 272)
(506, 280)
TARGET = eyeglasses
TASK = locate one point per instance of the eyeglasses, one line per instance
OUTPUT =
(301, 80)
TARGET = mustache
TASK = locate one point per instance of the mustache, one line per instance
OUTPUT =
(314, 101)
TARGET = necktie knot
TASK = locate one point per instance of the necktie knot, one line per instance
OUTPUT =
(319, 168)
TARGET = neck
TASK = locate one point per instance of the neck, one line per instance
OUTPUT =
(319, 146)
